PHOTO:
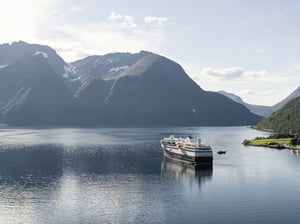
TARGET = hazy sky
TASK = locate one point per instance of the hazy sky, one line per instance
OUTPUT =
(251, 48)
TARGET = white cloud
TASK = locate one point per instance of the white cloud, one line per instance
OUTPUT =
(157, 21)
(256, 75)
(254, 86)
(65, 26)
(122, 21)
(224, 73)
(248, 93)
(266, 97)
(118, 32)
(239, 75)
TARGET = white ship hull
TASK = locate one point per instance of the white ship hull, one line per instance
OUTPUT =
(179, 149)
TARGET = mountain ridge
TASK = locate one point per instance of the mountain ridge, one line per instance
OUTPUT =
(284, 120)
(279, 105)
(138, 87)
(117, 89)
(260, 110)
(31, 92)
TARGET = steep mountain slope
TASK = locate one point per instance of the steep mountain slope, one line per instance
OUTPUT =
(106, 66)
(286, 119)
(293, 95)
(154, 91)
(31, 93)
(10, 53)
(118, 89)
(256, 109)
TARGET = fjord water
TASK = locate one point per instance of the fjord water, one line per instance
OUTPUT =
(65, 175)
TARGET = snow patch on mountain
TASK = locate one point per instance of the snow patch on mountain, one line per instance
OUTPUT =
(119, 68)
(76, 79)
(3, 66)
(70, 73)
(45, 55)
(68, 70)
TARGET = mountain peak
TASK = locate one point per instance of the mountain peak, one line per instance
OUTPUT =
(256, 109)
(21, 49)
(143, 52)
(108, 66)
(232, 96)
(116, 89)
(10, 53)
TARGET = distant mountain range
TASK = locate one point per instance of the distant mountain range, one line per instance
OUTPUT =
(293, 95)
(263, 111)
(37, 87)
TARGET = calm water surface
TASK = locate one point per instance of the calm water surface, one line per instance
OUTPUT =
(120, 176)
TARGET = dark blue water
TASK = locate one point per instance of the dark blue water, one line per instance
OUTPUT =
(120, 176)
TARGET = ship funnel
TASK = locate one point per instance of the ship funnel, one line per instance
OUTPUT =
(199, 141)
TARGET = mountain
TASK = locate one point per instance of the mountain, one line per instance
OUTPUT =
(286, 119)
(263, 111)
(148, 89)
(107, 66)
(293, 95)
(117, 89)
(10, 53)
(31, 93)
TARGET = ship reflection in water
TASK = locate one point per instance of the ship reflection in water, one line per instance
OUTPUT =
(186, 172)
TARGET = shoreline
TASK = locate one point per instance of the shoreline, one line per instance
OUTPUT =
(274, 146)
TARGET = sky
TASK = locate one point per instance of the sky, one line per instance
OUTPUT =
(249, 48)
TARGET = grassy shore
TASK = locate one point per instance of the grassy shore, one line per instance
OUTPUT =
(279, 143)
(284, 141)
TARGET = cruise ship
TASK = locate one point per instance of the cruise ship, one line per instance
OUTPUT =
(186, 150)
